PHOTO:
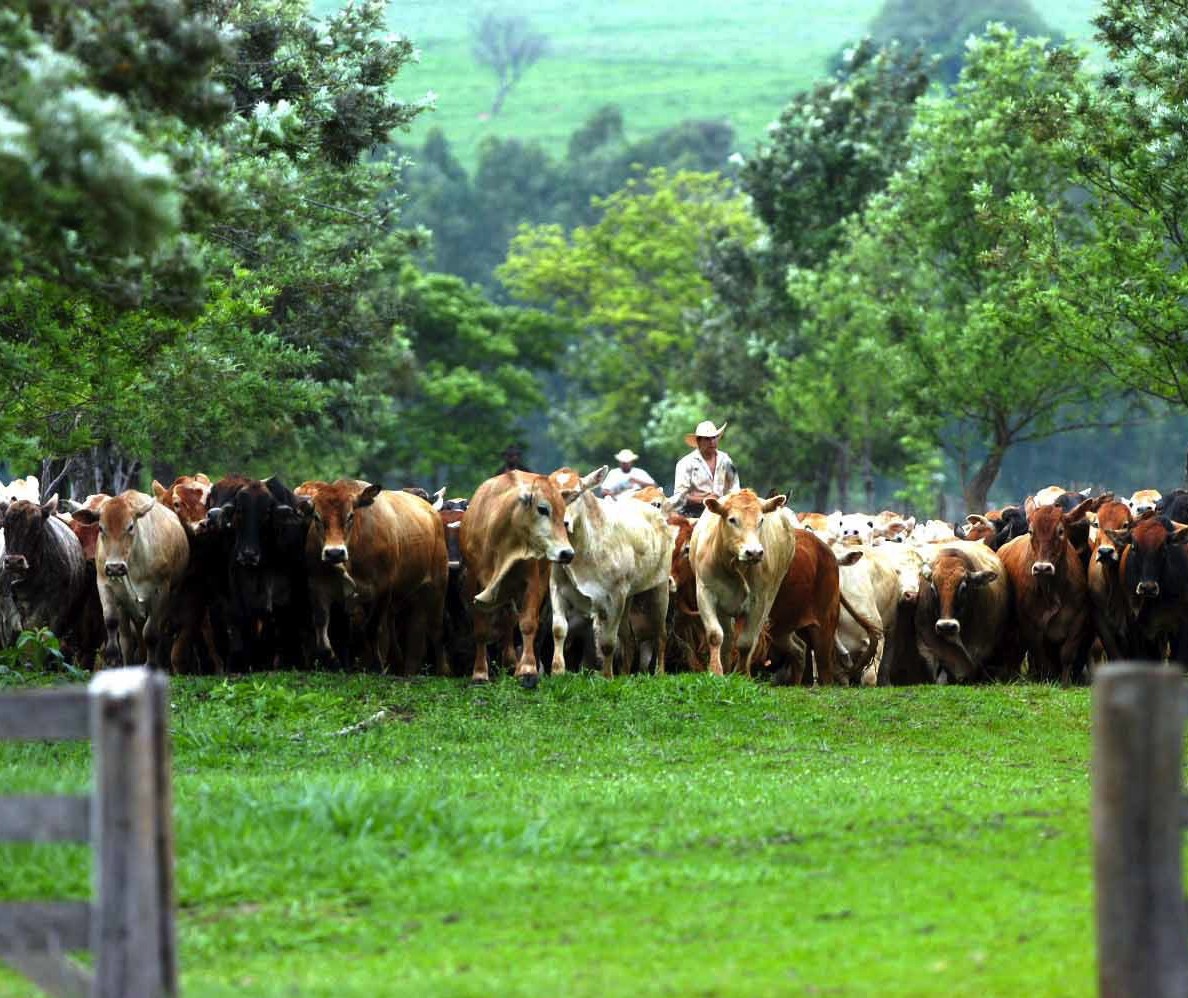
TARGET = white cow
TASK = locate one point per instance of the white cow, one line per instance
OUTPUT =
(870, 602)
(620, 550)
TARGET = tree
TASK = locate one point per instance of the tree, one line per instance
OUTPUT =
(1117, 297)
(939, 275)
(291, 237)
(832, 147)
(507, 45)
(630, 283)
(944, 27)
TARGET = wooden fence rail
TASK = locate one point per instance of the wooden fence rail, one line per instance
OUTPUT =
(1138, 823)
(129, 923)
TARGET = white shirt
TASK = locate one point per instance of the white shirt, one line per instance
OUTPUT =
(618, 481)
(693, 475)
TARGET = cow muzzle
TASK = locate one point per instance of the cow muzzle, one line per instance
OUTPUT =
(335, 555)
(115, 569)
(1106, 555)
(16, 564)
(1043, 568)
(1147, 589)
(947, 627)
(564, 556)
(749, 555)
(249, 559)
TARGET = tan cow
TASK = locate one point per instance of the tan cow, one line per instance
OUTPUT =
(741, 549)
(383, 552)
(140, 561)
(621, 550)
(514, 526)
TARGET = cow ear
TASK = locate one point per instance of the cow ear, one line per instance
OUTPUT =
(714, 506)
(850, 558)
(1119, 537)
(1180, 534)
(50, 506)
(159, 491)
(304, 506)
(1079, 511)
(367, 496)
(983, 578)
(667, 507)
(774, 503)
(977, 520)
(84, 515)
(143, 506)
(594, 479)
(201, 479)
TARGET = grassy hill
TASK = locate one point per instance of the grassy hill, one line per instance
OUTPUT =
(661, 62)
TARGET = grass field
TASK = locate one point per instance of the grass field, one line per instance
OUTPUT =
(661, 62)
(675, 836)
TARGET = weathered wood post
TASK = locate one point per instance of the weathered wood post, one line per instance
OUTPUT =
(129, 922)
(1138, 808)
(132, 935)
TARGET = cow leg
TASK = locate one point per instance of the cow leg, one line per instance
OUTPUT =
(560, 626)
(608, 618)
(713, 628)
(659, 603)
(416, 635)
(482, 635)
(529, 620)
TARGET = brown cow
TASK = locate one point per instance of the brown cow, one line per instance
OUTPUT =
(741, 549)
(194, 601)
(514, 526)
(805, 613)
(962, 609)
(140, 562)
(1051, 593)
(1111, 616)
(384, 552)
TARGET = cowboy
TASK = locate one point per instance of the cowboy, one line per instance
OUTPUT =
(625, 479)
(706, 471)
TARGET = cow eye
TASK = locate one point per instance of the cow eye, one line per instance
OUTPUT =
(733, 521)
(131, 526)
(760, 521)
(543, 509)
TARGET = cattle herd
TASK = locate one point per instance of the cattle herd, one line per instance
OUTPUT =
(245, 574)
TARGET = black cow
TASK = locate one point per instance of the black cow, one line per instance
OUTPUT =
(1174, 505)
(1154, 574)
(45, 567)
(264, 577)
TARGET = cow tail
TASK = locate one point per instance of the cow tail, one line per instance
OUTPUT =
(873, 631)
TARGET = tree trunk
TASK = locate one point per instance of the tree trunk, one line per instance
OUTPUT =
(103, 469)
(977, 488)
(868, 486)
(843, 476)
(822, 479)
(500, 96)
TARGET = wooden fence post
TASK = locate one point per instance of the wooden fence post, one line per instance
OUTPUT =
(132, 935)
(1142, 920)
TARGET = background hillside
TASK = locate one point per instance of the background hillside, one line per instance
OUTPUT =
(659, 61)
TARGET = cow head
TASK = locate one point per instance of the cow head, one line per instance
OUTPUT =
(187, 497)
(331, 510)
(1113, 519)
(255, 511)
(742, 516)
(1143, 501)
(1049, 537)
(952, 576)
(87, 533)
(1154, 566)
(24, 535)
(976, 528)
(117, 518)
(540, 512)
(856, 528)
(573, 487)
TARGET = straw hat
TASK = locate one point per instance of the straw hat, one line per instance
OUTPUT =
(705, 428)
(626, 456)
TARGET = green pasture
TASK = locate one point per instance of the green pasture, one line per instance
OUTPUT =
(660, 62)
(650, 836)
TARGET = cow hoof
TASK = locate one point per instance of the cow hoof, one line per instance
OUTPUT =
(530, 680)
(479, 681)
